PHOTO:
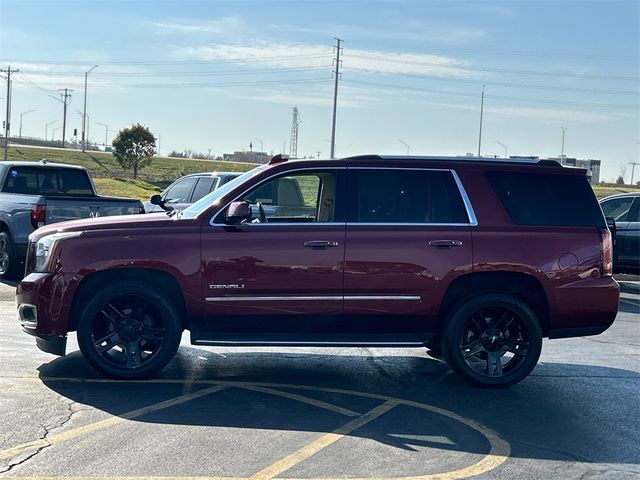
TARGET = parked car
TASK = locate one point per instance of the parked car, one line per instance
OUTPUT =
(34, 194)
(477, 258)
(625, 210)
(187, 190)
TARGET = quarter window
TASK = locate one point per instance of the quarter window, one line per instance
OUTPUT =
(407, 196)
(203, 187)
(617, 208)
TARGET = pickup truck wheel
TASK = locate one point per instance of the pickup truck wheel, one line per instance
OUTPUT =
(8, 260)
(129, 330)
(492, 340)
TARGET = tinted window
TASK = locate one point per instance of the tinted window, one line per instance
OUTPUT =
(203, 187)
(407, 196)
(547, 199)
(617, 208)
(179, 193)
(47, 181)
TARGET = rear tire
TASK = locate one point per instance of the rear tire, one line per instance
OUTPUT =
(8, 258)
(492, 340)
(129, 330)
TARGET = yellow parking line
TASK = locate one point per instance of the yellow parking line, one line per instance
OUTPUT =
(92, 427)
(303, 399)
(324, 441)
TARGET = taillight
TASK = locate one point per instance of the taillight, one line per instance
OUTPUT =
(606, 253)
(38, 215)
(141, 209)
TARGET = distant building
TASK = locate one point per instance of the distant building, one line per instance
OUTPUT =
(593, 166)
(247, 157)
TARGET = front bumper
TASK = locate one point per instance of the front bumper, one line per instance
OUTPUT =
(43, 301)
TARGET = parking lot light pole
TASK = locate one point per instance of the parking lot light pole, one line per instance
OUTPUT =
(84, 114)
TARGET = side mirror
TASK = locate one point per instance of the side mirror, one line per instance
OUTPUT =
(611, 223)
(157, 200)
(238, 212)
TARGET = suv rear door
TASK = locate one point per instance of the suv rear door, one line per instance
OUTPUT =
(408, 236)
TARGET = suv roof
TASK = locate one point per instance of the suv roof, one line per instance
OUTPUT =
(41, 164)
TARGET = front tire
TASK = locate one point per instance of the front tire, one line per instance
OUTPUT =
(492, 340)
(8, 258)
(129, 330)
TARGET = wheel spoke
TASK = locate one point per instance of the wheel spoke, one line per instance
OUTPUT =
(516, 347)
(132, 355)
(111, 341)
(494, 363)
(152, 334)
(479, 322)
(471, 349)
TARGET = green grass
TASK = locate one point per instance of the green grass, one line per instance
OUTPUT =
(611, 189)
(111, 179)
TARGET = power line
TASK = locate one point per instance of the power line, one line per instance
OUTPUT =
(630, 78)
(184, 74)
(519, 99)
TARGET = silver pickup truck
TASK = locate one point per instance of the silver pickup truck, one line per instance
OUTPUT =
(34, 194)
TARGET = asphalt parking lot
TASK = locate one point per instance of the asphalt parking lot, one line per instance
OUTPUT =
(312, 413)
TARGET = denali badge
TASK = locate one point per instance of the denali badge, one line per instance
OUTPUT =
(232, 285)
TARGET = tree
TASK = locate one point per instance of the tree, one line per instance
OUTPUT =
(134, 148)
(620, 180)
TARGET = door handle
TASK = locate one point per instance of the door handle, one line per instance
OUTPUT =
(320, 244)
(445, 243)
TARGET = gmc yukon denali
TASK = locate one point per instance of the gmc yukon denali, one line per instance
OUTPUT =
(476, 259)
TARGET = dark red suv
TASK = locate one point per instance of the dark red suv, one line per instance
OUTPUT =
(477, 259)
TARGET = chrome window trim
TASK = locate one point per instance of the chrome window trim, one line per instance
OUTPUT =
(313, 298)
(407, 224)
(213, 223)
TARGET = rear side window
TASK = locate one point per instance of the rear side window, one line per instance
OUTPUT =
(203, 187)
(47, 181)
(617, 208)
(547, 199)
(407, 196)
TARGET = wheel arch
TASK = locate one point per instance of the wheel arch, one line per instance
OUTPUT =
(157, 278)
(521, 285)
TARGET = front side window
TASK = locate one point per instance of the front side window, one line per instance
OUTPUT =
(407, 196)
(179, 193)
(617, 208)
(295, 198)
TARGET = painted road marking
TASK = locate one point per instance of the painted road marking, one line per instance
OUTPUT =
(109, 422)
(499, 452)
(324, 441)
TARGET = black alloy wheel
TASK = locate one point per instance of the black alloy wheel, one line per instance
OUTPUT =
(129, 332)
(493, 340)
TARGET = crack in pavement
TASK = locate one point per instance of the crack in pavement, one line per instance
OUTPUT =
(47, 430)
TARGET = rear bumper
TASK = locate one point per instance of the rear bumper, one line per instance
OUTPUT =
(582, 308)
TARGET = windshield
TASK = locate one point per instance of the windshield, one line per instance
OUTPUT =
(195, 209)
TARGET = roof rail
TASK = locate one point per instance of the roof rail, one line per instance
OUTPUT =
(463, 158)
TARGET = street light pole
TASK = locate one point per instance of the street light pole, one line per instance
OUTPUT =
(405, 144)
(53, 132)
(21, 115)
(46, 127)
(84, 114)
(106, 132)
(261, 144)
(503, 146)
(481, 113)
(562, 151)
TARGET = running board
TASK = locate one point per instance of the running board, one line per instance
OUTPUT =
(308, 340)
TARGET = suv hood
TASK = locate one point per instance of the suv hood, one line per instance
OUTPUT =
(105, 223)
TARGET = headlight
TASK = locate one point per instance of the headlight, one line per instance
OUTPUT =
(45, 247)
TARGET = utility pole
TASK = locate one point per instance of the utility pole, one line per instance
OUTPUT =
(21, 115)
(67, 99)
(84, 114)
(562, 151)
(481, 113)
(7, 120)
(335, 98)
(633, 169)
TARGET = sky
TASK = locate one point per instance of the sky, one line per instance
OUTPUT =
(215, 77)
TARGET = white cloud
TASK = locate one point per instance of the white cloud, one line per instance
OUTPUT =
(224, 25)
(308, 55)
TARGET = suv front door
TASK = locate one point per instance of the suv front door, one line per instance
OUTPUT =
(408, 236)
(282, 272)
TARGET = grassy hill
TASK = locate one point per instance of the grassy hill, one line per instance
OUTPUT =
(110, 179)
